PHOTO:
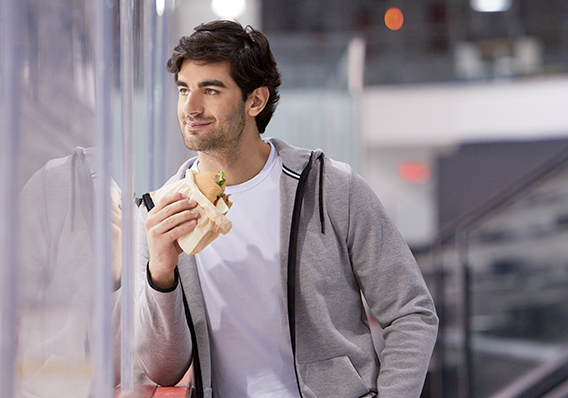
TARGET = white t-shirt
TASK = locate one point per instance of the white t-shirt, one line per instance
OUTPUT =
(242, 288)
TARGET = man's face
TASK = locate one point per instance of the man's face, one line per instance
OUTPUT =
(211, 110)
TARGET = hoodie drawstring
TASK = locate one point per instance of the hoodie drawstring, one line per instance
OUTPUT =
(322, 220)
(293, 244)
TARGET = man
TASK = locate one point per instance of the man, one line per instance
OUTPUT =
(274, 308)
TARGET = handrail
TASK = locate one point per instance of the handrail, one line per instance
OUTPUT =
(540, 381)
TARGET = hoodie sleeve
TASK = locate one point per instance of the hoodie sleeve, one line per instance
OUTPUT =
(164, 341)
(395, 291)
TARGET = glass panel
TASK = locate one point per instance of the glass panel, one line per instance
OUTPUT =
(56, 183)
(78, 145)
(10, 75)
(66, 164)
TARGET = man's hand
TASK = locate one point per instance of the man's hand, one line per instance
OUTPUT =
(171, 218)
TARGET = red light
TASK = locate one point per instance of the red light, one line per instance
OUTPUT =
(414, 172)
(394, 18)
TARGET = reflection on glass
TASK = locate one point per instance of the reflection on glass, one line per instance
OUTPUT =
(57, 273)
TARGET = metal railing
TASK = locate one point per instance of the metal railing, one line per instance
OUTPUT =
(497, 276)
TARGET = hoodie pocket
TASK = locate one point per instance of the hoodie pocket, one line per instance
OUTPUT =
(334, 377)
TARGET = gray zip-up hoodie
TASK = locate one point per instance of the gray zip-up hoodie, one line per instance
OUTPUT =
(336, 243)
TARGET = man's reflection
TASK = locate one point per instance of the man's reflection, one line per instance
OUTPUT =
(57, 277)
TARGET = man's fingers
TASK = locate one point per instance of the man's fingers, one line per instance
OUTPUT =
(173, 198)
(164, 226)
(178, 219)
(167, 207)
(172, 204)
(182, 229)
(165, 201)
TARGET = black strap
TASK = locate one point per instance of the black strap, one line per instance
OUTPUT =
(292, 256)
(148, 202)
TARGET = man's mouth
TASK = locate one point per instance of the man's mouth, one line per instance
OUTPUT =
(196, 124)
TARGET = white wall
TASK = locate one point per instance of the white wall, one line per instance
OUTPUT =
(449, 113)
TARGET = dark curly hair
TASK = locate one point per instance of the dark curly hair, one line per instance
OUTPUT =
(247, 51)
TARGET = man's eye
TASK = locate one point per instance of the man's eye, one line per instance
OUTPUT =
(183, 91)
(211, 91)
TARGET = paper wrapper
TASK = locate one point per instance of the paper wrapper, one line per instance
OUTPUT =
(211, 221)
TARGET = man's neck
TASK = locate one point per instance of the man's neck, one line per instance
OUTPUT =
(241, 164)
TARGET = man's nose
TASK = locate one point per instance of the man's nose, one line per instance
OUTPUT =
(192, 105)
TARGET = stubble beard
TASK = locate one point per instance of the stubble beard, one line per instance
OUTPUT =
(221, 141)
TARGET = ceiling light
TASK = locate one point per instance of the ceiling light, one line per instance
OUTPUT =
(490, 5)
(229, 9)
(160, 7)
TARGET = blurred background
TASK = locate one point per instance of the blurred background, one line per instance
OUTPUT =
(454, 111)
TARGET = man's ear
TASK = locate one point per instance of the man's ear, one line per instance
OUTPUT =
(257, 101)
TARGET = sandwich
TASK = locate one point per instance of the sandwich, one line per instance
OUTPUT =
(208, 190)
(212, 185)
